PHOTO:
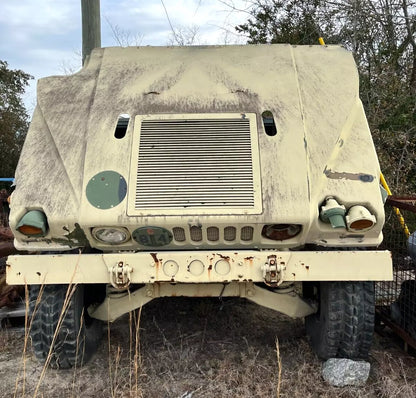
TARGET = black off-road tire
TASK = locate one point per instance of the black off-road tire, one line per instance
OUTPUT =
(344, 324)
(78, 335)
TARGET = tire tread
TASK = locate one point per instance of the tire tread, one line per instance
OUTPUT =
(344, 325)
(74, 342)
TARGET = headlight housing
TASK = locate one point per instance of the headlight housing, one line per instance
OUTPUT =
(281, 231)
(333, 213)
(111, 235)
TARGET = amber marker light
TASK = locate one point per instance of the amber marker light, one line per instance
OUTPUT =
(359, 218)
(33, 223)
(29, 230)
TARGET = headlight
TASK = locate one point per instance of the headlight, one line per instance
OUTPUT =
(112, 236)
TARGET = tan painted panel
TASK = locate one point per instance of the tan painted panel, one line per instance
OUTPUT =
(322, 143)
(199, 267)
(114, 306)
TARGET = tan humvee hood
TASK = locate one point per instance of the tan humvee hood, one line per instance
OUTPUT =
(322, 148)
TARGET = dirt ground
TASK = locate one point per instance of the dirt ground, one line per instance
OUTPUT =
(201, 348)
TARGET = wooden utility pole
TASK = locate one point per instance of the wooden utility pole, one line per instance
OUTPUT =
(91, 27)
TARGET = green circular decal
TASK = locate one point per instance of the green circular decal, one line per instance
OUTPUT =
(106, 189)
(152, 236)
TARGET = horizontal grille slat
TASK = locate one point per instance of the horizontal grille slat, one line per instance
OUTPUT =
(203, 167)
(195, 163)
(224, 159)
(192, 202)
(179, 150)
(195, 193)
(222, 171)
(196, 199)
(150, 191)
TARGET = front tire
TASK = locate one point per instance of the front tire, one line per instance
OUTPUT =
(344, 324)
(73, 335)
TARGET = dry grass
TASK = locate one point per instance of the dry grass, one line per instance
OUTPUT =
(204, 348)
(279, 368)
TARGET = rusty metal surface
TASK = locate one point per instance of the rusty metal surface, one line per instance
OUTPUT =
(402, 202)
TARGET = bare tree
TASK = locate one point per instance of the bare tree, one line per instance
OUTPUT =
(181, 35)
(69, 66)
(123, 37)
(184, 36)
(381, 34)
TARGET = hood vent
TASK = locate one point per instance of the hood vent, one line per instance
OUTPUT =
(194, 163)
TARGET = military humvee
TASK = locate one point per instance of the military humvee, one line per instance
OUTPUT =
(200, 171)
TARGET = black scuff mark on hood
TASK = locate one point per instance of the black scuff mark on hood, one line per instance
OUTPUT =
(74, 238)
(335, 175)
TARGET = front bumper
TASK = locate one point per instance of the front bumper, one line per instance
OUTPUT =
(199, 267)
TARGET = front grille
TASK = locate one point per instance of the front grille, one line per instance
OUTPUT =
(188, 164)
(196, 234)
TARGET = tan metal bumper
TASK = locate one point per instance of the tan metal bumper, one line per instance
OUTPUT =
(199, 267)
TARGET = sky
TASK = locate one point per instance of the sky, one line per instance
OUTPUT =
(43, 37)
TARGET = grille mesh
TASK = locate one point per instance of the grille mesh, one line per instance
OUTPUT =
(195, 163)
(213, 234)
(196, 233)
(230, 233)
(179, 234)
(247, 233)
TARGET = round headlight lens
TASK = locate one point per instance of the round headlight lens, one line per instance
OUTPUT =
(112, 236)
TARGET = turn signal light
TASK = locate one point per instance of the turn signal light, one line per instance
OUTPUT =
(281, 231)
(33, 223)
(359, 218)
(29, 230)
